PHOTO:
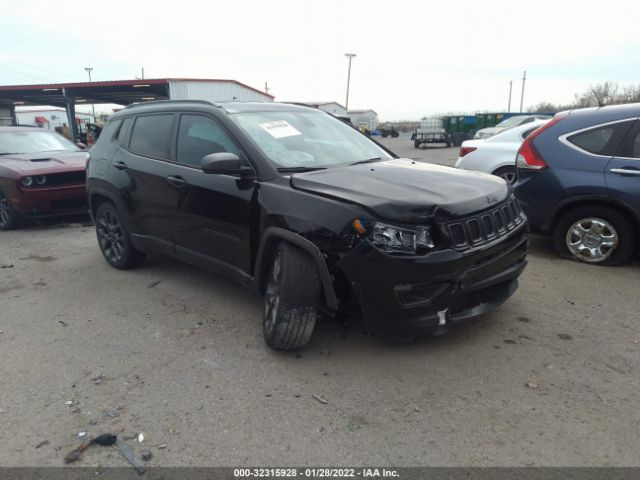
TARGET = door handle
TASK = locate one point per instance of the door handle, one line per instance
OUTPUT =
(177, 181)
(120, 165)
(625, 171)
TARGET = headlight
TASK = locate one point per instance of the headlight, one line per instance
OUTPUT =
(41, 179)
(400, 240)
(26, 181)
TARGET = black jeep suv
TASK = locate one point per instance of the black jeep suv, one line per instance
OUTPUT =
(315, 214)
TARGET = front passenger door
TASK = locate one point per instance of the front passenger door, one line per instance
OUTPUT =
(209, 215)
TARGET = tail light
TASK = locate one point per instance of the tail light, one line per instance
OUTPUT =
(465, 150)
(528, 156)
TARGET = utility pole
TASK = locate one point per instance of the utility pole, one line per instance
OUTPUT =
(510, 88)
(350, 57)
(142, 73)
(524, 79)
(266, 88)
(93, 108)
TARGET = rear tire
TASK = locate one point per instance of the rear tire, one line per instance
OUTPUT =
(595, 234)
(508, 174)
(9, 218)
(114, 240)
(291, 299)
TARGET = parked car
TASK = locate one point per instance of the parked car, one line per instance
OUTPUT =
(579, 181)
(496, 155)
(319, 217)
(41, 174)
(510, 122)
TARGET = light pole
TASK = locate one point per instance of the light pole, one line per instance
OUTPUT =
(93, 108)
(510, 87)
(524, 79)
(350, 57)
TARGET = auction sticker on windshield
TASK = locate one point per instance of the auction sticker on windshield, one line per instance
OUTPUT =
(280, 129)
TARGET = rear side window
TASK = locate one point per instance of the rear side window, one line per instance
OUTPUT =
(152, 135)
(602, 140)
(124, 129)
(111, 129)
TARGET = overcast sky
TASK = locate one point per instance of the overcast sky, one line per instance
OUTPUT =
(413, 57)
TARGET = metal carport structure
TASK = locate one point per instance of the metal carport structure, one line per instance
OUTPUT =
(123, 92)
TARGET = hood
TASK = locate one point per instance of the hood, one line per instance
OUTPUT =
(402, 190)
(44, 162)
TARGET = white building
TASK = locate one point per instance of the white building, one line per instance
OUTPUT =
(334, 108)
(364, 119)
(213, 90)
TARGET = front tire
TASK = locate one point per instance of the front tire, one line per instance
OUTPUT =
(9, 218)
(291, 299)
(114, 240)
(595, 234)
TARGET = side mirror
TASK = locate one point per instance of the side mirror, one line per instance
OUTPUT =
(81, 145)
(224, 163)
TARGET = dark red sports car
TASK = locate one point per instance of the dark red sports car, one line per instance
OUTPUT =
(41, 174)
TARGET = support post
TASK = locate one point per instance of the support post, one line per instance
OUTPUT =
(70, 107)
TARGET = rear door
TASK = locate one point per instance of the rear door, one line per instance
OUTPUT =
(210, 214)
(142, 165)
(623, 171)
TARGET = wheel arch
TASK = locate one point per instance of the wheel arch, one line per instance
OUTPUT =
(97, 195)
(270, 239)
(575, 202)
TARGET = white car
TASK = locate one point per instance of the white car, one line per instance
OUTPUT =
(507, 124)
(496, 155)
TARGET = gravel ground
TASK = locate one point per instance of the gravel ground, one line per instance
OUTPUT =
(551, 378)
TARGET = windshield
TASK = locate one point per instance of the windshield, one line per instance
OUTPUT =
(307, 139)
(511, 122)
(24, 141)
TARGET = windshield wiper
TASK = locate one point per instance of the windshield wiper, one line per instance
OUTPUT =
(368, 160)
(299, 169)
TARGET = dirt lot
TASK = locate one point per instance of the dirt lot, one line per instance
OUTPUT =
(551, 378)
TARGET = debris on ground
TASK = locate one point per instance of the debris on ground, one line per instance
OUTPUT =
(140, 437)
(111, 413)
(532, 385)
(127, 452)
(99, 380)
(6, 266)
(162, 446)
(319, 398)
(63, 323)
(42, 444)
(154, 284)
(565, 336)
(146, 455)
(104, 439)
(82, 436)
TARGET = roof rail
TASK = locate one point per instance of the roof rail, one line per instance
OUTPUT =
(155, 102)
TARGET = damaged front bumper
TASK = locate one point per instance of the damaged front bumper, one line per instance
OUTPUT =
(431, 293)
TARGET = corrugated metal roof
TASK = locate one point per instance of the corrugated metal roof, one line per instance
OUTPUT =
(117, 83)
